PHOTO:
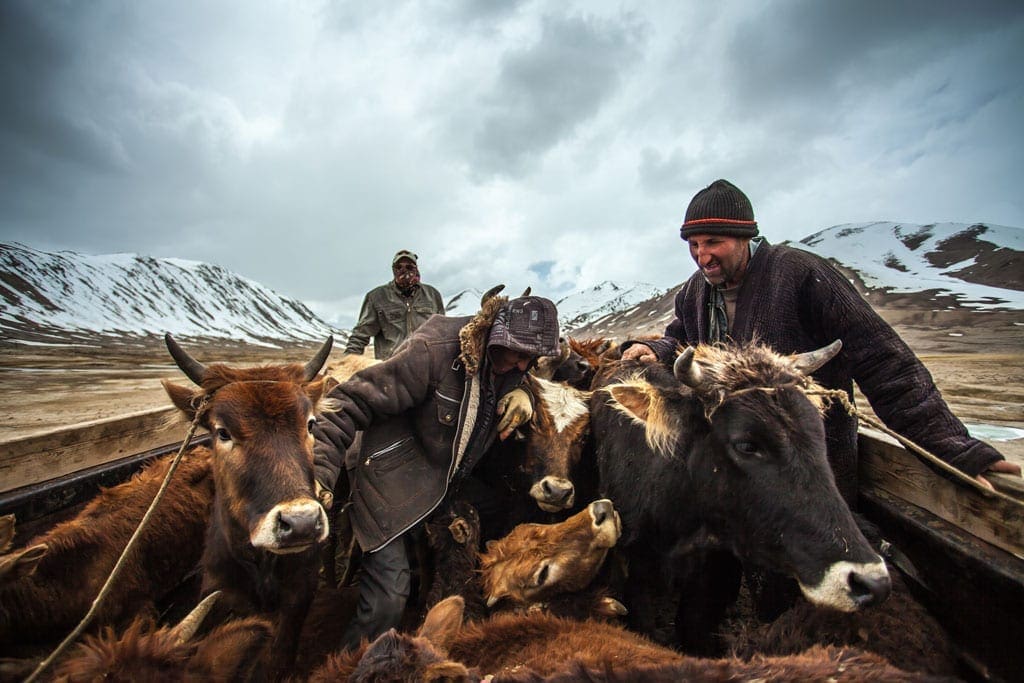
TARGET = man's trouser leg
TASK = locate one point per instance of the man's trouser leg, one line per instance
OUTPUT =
(384, 585)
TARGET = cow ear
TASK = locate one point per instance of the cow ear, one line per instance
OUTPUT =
(443, 622)
(21, 563)
(632, 399)
(181, 397)
(315, 390)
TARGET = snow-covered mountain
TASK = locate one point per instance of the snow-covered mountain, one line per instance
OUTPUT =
(51, 297)
(575, 310)
(66, 296)
(579, 309)
(974, 266)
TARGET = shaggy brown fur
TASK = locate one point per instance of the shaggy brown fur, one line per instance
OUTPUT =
(815, 664)
(538, 647)
(900, 629)
(233, 651)
(42, 603)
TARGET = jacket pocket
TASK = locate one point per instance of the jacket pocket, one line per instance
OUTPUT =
(447, 408)
(389, 457)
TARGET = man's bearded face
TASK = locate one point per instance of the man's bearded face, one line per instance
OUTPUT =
(407, 275)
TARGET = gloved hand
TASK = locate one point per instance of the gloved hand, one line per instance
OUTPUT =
(324, 495)
(514, 410)
(640, 352)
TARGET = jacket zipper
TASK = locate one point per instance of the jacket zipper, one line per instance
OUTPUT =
(385, 451)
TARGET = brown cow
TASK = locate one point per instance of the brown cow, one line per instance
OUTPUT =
(539, 647)
(237, 650)
(261, 545)
(49, 585)
(555, 441)
(453, 539)
(537, 562)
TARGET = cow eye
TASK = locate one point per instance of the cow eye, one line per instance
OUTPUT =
(310, 424)
(223, 434)
(542, 575)
(747, 448)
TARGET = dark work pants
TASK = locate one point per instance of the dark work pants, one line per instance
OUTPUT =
(384, 586)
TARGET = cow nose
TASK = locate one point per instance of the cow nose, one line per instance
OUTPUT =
(600, 510)
(869, 589)
(298, 525)
(557, 491)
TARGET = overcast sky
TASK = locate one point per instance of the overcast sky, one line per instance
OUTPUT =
(550, 144)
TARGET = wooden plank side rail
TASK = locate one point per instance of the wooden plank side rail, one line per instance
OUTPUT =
(49, 455)
(886, 466)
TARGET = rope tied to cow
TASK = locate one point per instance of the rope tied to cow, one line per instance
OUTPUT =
(132, 542)
(844, 399)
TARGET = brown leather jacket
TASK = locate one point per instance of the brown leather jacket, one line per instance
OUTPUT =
(417, 411)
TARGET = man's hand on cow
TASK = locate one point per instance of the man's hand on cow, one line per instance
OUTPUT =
(999, 467)
(514, 410)
(324, 495)
(639, 352)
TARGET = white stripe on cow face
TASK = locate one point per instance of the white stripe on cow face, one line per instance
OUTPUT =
(844, 586)
(566, 404)
(291, 527)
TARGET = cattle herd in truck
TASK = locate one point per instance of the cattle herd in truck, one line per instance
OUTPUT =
(625, 485)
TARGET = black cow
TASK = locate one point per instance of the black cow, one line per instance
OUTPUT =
(261, 545)
(726, 452)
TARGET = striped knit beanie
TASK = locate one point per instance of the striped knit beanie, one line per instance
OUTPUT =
(721, 208)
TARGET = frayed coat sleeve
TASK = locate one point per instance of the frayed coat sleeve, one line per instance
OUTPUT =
(390, 388)
(897, 385)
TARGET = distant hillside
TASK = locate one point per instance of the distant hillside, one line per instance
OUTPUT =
(65, 297)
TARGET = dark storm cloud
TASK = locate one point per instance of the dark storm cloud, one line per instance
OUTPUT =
(545, 91)
(43, 136)
(818, 50)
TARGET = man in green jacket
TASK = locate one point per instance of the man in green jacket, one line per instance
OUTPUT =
(391, 312)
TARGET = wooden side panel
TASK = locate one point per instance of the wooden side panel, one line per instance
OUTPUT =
(993, 517)
(41, 457)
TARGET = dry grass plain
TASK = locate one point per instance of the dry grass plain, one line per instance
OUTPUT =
(977, 362)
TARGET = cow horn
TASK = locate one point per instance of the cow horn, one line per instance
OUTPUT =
(526, 292)
(686, 370)
(314, 365)
(188, 626)
(491, 293)
(192, 368)
(812, 360)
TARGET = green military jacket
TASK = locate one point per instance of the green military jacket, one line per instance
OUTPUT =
(389, 318)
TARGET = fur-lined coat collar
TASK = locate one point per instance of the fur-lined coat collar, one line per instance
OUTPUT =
(473, 335)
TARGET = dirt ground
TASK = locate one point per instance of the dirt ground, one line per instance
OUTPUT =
(977, 364)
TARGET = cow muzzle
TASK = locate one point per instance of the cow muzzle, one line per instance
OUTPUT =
(606, 523)
(553, 494)
(291, 527)
(850, 586)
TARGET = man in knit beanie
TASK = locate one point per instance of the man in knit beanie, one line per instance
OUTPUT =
(748, 290)
(794, 301)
